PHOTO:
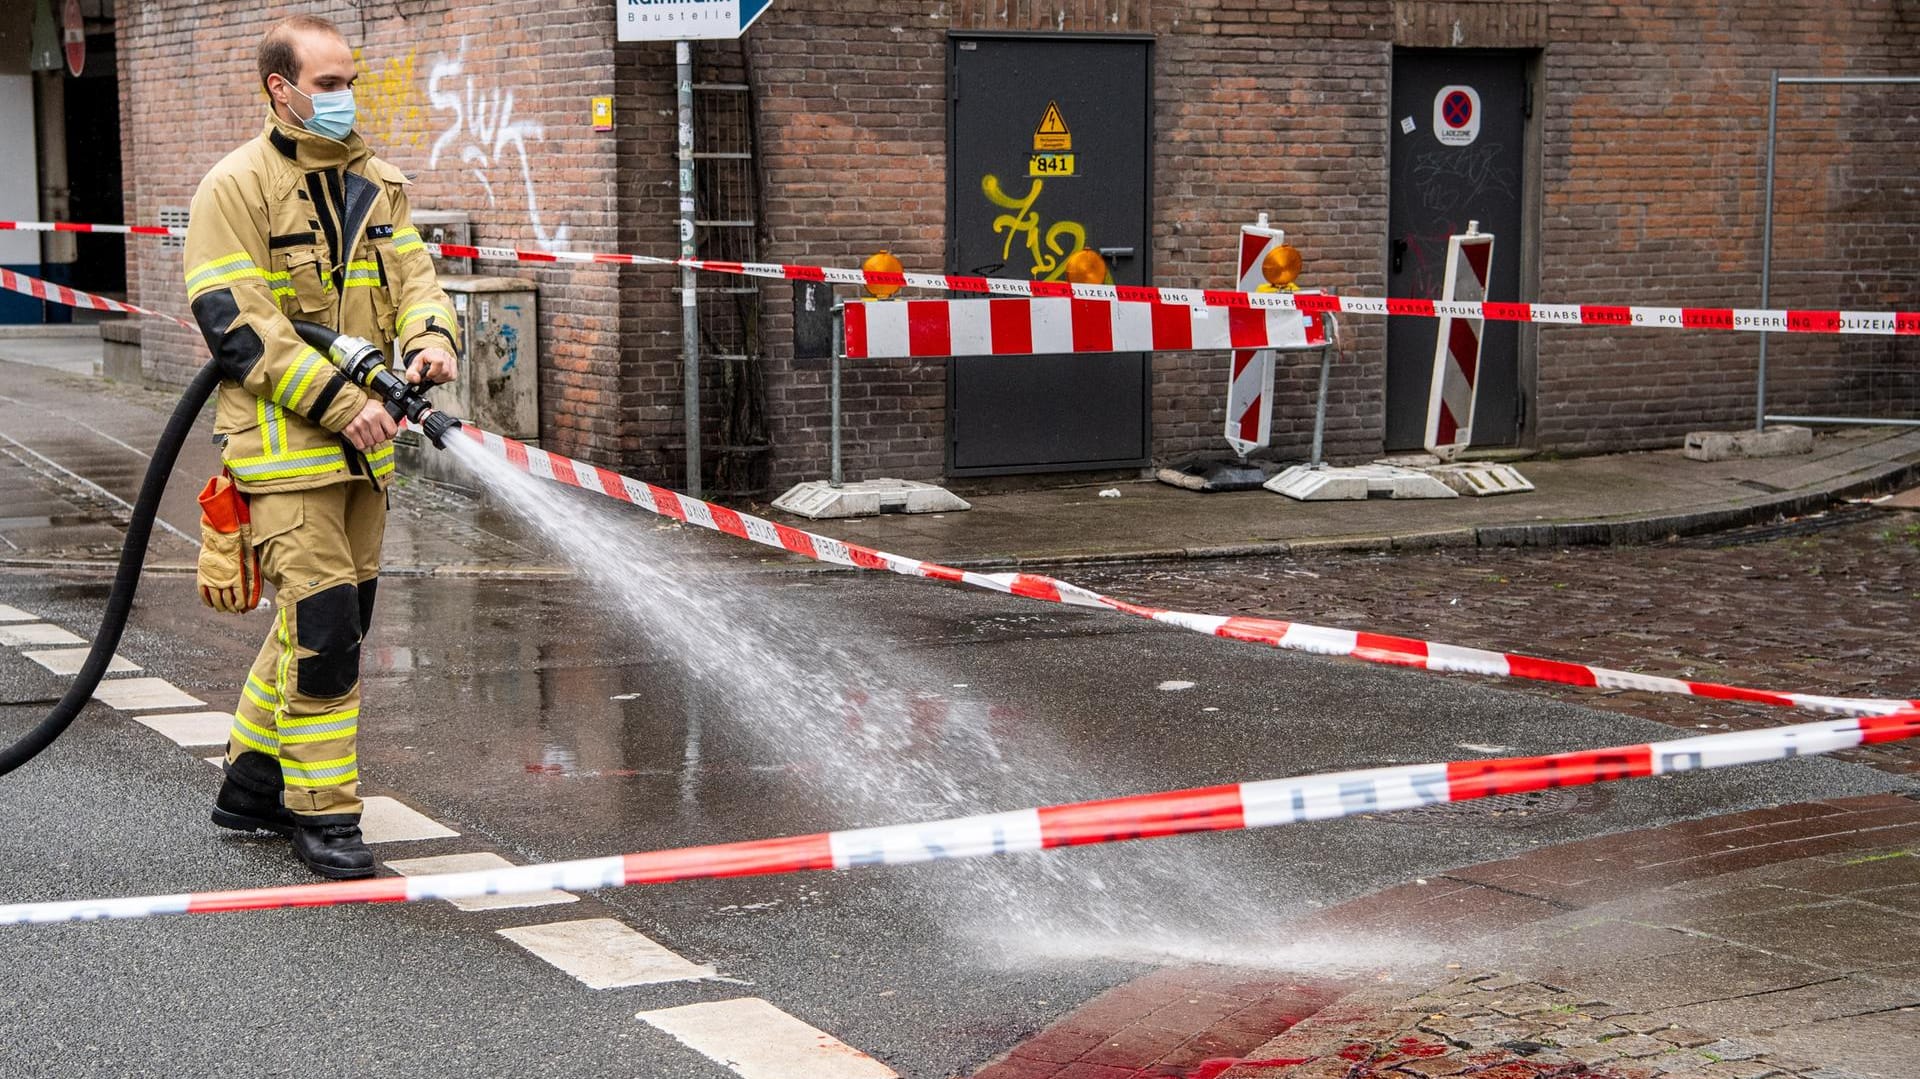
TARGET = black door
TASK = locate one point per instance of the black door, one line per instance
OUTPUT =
(1459, 129)
(1048, 153)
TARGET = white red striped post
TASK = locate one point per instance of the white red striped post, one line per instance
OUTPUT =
(1456, 349)
(1249, 423)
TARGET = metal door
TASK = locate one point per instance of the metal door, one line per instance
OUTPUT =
(1048, 152)
(1459, 129)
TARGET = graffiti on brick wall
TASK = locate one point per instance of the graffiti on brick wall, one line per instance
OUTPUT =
(480, 126)
(389, 100)
(1044, 243)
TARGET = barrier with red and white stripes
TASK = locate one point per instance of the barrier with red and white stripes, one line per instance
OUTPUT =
(1230, 807)
(1250, 373)
(927, 329)
(1296, 636)
(1752, 320)
(1456, 349)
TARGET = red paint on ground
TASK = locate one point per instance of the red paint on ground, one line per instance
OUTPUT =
(1218, 1066)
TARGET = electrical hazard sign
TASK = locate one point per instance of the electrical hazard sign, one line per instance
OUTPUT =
(1052, 145)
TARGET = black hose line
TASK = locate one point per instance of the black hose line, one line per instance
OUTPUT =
(132, 554)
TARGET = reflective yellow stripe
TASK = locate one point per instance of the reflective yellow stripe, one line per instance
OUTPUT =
(224, 268)
(262, 696)
(273, 432)
(405, 240)
(422, 310)
(242, 723)
(312, 721)
(274, 466)
(321, 773)
(340, 780)
(304, 371)
(363, 274)
(321, 734)
(240, 734)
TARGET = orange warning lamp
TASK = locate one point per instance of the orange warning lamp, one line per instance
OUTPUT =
(1281, 267)
(883, 262)
(1086, 267)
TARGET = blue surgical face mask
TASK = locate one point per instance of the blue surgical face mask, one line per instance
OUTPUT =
(333, 113)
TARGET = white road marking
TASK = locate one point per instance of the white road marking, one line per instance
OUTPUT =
(37, 633)
(144, 694)
(605, 953)
(387, 821)
(474, 863)
(69, 660)
(756, 1040)
(15, 614)
(192, 728)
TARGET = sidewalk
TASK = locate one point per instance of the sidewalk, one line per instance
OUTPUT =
(1616, 498)
(1778, 942)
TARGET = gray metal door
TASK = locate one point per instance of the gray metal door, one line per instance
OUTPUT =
(1459, 129)
(1048, 152)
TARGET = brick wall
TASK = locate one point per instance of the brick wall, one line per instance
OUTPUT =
(1650, 130)
(491, 123)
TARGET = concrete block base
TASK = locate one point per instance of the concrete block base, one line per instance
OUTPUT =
(1479, 479)
(1784, 440)
(1303, 483)
(819, 499)
(120, 351)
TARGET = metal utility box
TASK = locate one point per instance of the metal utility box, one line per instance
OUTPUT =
(446, 227)
(499, 385)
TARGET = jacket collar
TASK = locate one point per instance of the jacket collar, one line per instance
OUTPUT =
(310, 151)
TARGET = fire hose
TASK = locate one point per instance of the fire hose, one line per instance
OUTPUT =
(361, 361)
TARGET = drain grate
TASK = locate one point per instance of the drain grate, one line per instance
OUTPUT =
(1811, 524)
(1522, 810)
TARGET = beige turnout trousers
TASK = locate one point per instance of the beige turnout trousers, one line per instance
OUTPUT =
(320, 549)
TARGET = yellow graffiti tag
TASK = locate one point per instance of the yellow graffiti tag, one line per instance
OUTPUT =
(1049, 256)
(389, 101)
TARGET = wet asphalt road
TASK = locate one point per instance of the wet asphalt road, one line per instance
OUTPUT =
(553, 720)
(529, 717)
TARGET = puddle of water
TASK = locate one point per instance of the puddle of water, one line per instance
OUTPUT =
(863, 741)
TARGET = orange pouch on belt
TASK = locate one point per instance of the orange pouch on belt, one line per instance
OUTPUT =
(229, 567)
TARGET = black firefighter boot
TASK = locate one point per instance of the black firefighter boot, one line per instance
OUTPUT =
(331, 846)
(249, 799)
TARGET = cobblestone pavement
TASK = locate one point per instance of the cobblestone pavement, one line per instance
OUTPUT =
(1496, 1025)
(1821, 605)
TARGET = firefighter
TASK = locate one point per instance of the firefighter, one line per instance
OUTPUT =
(304, 222)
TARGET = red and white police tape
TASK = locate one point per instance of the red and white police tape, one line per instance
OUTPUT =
(1231, 807)
(1299, 636)
(1752, 320)
(61, 294)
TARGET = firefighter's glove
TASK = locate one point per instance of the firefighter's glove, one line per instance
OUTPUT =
(229, 566)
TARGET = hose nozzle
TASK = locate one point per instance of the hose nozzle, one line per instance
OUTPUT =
(365, 366)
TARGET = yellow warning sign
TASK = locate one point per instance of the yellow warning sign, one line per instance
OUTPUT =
(1052, 134)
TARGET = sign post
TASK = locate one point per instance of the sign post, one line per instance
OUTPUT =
(683, 22)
